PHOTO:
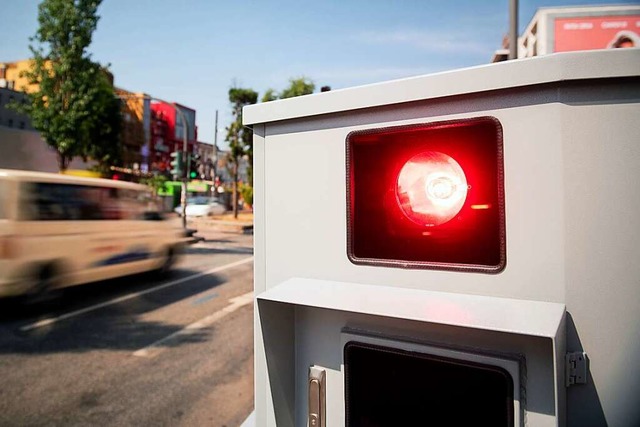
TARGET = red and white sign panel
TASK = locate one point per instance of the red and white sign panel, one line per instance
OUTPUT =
(603, 32)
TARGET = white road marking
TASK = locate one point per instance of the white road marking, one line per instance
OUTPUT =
(160, 345)
(52, 320)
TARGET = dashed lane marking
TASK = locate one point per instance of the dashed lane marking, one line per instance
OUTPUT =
(52, 320)
(194, 328)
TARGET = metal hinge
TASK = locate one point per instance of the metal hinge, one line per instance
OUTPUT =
(575, 368)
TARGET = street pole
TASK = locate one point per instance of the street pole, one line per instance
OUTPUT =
(215, 158)
(513, 29)
(183, 193)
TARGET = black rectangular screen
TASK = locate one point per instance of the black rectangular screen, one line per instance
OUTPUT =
(387, 387)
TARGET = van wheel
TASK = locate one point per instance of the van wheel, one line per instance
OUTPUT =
(167, 262)
(42, 291)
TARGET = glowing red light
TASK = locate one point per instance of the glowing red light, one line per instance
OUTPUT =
(431, 188)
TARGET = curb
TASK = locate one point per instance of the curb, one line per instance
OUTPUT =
(194, 239)
(225, 226)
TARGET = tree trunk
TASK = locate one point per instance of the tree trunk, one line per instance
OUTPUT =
(63, 162)
(235, 188)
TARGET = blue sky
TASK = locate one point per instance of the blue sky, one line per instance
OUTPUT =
(193, 51)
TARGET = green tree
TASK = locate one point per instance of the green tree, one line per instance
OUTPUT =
(101, 141)
(156, 182)
(297, 87)
(240, 138)
(269, 95)
(73, 105)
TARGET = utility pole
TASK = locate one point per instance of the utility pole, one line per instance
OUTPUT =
(215, 158)
(513, 29)
(183, 193)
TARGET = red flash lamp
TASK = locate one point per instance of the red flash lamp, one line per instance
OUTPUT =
(427, 196)
(431, 188)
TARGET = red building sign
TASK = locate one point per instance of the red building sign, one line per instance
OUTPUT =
(603, 32)
(167, 133)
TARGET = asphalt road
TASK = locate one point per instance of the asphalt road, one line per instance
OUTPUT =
(140, 351)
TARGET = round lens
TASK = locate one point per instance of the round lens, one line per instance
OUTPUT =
(431, 188)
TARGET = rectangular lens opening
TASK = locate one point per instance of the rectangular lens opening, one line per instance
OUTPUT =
(383, 231)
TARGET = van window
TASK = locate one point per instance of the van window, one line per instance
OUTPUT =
(61, 202)
(138, 205)
(71, 202)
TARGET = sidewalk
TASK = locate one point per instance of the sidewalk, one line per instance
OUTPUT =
(225, 223)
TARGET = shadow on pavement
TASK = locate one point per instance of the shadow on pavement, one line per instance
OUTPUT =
(114, 327)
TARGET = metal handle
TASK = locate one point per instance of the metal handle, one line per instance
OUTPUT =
(317, 397)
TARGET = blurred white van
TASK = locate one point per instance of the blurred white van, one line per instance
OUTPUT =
(59, 230)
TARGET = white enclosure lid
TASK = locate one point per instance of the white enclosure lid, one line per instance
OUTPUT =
(503, 75)
(534, 318)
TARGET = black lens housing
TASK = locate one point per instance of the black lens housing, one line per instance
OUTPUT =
(379, 233)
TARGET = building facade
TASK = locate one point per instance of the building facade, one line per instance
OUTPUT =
(24, 149)
(208, 155)
(224, 169)
(136, 129)
(167, 133)
(9, 117)
(564, 29)
(10, 75)
(160, 146)
(151, 130)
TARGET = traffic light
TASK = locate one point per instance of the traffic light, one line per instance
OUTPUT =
(194, 165)
(177, 164)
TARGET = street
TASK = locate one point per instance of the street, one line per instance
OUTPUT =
(142, 350)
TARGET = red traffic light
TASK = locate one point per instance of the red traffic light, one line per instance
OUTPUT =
(427, 196)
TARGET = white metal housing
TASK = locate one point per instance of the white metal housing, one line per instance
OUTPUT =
(572, 164)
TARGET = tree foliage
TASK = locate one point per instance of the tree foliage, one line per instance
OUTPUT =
(101, 141)
(156, 182)
(297, 87)
(240, 138)
(73, 105)
(269, 95)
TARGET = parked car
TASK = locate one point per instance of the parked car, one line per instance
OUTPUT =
(201, 206)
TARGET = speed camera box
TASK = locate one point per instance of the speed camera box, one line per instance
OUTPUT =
(458, 248)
